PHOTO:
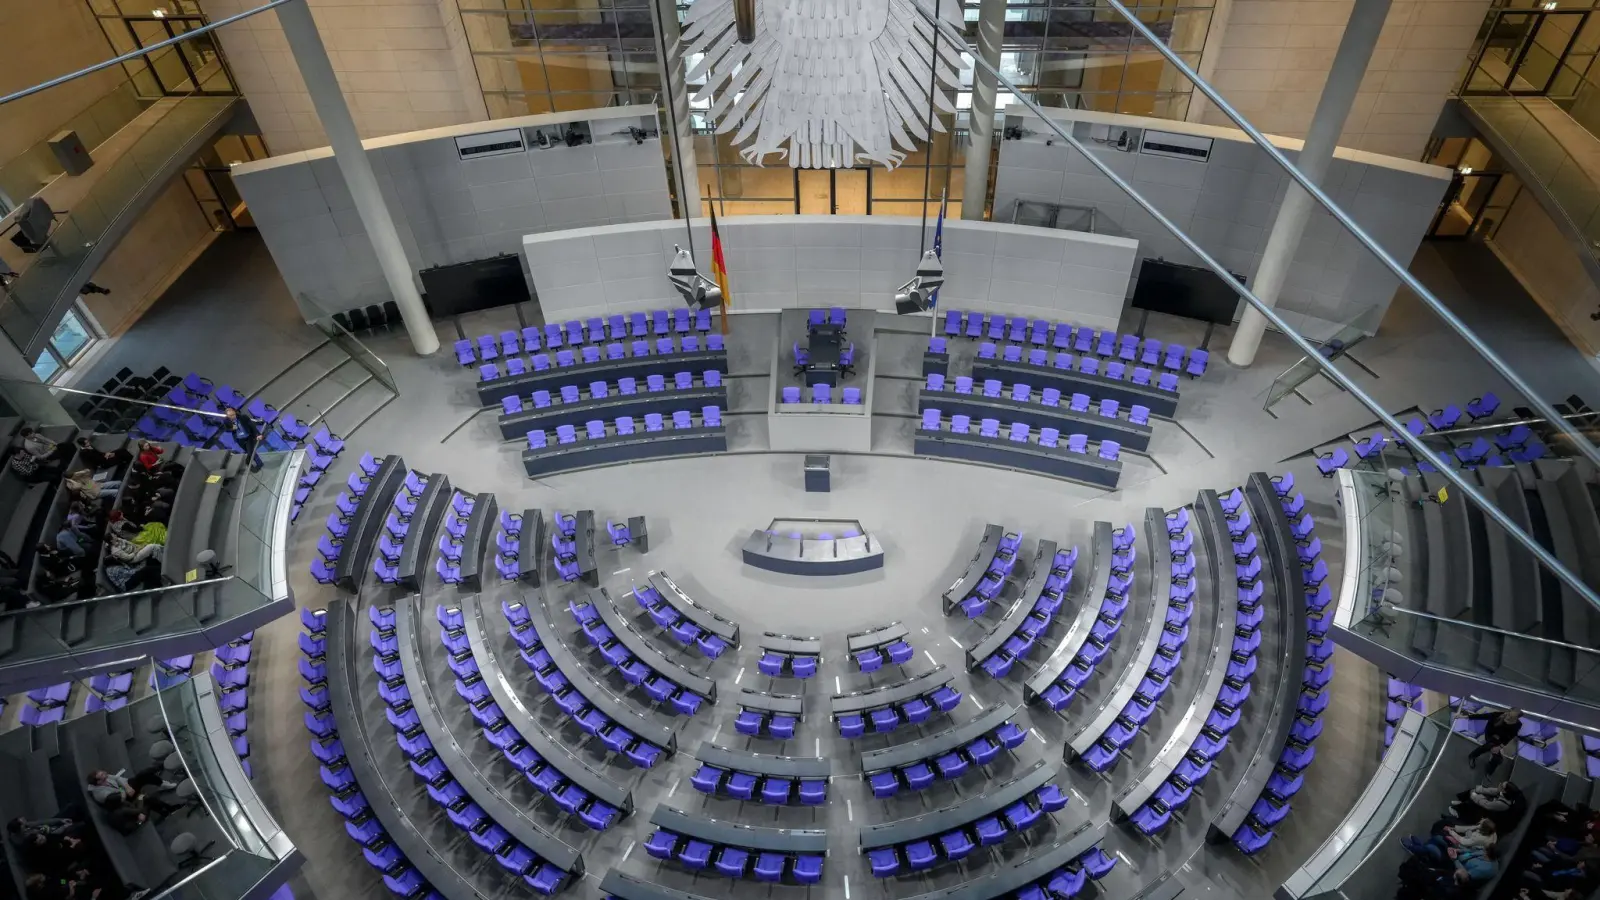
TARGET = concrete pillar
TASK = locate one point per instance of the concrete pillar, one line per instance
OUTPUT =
(317, 71)
(22, 390)
(975, 187)
(676, 133)
(1349, 66)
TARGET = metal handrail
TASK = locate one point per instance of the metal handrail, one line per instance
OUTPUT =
(1516, 634)
(1493, 359)
(1271, 315)
(135, 54)
(164, 589)
(82, 393)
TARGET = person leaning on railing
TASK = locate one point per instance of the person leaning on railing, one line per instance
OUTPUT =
(1499, 729)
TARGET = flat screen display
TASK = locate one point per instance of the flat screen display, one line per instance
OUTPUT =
(1187, 291)
(480, 284)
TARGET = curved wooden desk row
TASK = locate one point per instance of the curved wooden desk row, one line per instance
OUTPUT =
(647, 652)
(610, 408)
(617, 448)
(373, 507)
(875, 638)
(891, 694)
(808, 556)
(1094, 591)
(1032, 590)
(475, 543)
(707, 620)
(764, 763)
(1002, 451)
(970, 809)
(417, 548)
(1069, 381)
(491, 392)
(1036, 415)
(935, 745)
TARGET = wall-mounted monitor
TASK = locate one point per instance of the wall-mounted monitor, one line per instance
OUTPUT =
(1188, 291)
(480, 284)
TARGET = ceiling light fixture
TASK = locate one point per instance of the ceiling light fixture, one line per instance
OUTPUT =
(823, 83)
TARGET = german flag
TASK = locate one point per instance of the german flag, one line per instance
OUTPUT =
(719, 267)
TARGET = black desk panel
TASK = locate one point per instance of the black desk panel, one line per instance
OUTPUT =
(1093, 593)
(624, 448)
(1039, 864)
(933, 363)
(875, 637)
(1157, 557)
(764, 763)
(623, 886)
(647, 652)
(417, 548)
(783, 704)
(609, 408)
(979, 564)
(530, 546)
(1032, 590)
(1217, 589)
(732, 834)
(694, 612)
(476, 542)
(1282, 553)
(937, 744)
(501, 809)
(1036, 416)
(1087, 468)
(342, 657)
(202, 476)
(1160, 403)
(808, 556)
(790, 644)
(598, 695)
(556, 753)
(371, 511)
(491, 392)
(970, 809)
(877, 698)
(583, 546)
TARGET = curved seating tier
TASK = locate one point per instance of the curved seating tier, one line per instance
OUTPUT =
(871, 649)
(368, 507)
(1042, 333)
(951, 833)
(784, 654)
(687, 621)
(948, 754)
(1114, 381)
(768, 715)
(744, 775)
(619, 885)
(1161, 638)
(1058, 870)
(419, 507)
(1098, 619)
(472, 543)
(1071, 414)
(1258, 802)
(574, 333)
(485, 652)
(418, 708)
(21, 502)
(738, 851)
(639, 661)
(639, 360)
(794, 555)
(599, 446)
(573, 689)
(913, 699)
(1015, 447)
(1013, 637)
(977, 580)
(601, 400)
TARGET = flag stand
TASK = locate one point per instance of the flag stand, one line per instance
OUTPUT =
(719, 266)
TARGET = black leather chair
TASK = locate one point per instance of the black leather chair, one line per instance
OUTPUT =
(343, 321)
(391, 311)
(358, 320)
(375, 317)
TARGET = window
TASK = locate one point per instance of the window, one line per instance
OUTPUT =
(71, 338)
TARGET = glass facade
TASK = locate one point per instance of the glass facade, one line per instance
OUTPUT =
(1535, 48)
(537, 56)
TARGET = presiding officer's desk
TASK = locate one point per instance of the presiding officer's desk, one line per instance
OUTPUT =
(610, 408)
(1087, 468)
(615, 448)
(810, 556)
(492, 391)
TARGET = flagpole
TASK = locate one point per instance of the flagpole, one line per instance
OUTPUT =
(722, 305)
(933, 314)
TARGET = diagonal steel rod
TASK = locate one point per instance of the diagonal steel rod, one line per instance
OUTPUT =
(1305, 346)
(1493, 359)
(135, 54)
